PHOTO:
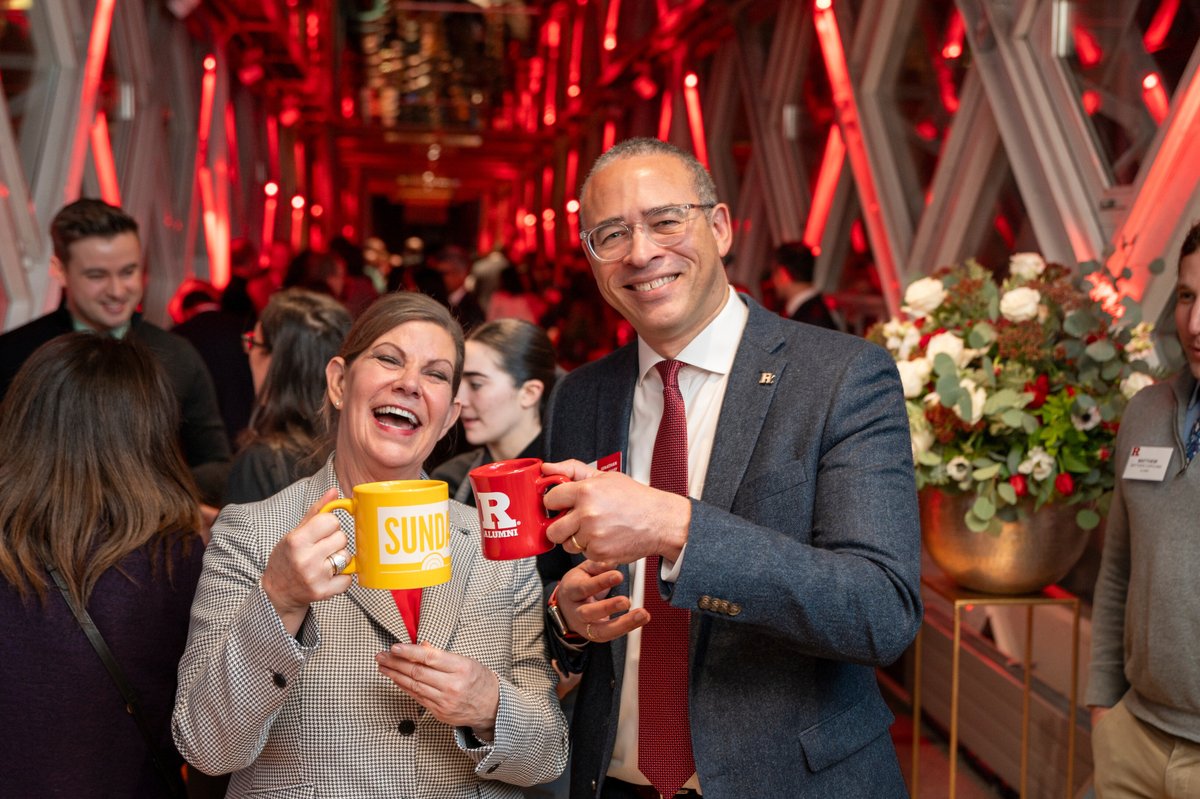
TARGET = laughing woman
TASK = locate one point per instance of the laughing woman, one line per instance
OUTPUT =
(303, 683)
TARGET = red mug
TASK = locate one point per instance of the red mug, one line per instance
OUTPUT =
(508, 495)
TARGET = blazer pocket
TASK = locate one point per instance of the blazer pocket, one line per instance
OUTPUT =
(305, 791)
(836, 738)
(767, 484)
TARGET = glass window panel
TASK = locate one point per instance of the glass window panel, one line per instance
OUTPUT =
(18, 61)
(1125, 59)
(924, 97)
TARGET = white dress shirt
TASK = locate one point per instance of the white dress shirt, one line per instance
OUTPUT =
(708, 359)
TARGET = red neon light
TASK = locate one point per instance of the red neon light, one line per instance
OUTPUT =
(1004, 229)
(1091, 101)
(270, 206)
(691, 101)
(926, 130)
(1155, 97)
(553, 33)
(573, 90)
(347, 107)
(289, 116)
(208, 88)
(271, 189)
(826, 185)
(664, 115)
(824, 5)
(298, 202)
(610, 135)
(572, 206)
(1160, 25)
(575, 70)
(947, 91)
(858, 237)
(106, 167)
(529, 220)
(93, 69)
(1086, 47)
(317, 210)
(955, 32)
(610, 24)
(297, 229)
(210, 63)
(548, 215)
(834, 56)
(569, 183)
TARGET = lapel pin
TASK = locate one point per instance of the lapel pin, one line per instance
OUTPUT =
(766, 378)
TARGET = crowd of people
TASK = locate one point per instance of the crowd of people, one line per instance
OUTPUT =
(738, 537)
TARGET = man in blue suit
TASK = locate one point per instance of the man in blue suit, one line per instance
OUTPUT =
(789, 551)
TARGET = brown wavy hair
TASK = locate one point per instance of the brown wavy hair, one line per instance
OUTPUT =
(92, 469)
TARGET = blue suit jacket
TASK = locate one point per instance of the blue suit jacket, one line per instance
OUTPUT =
(802, 570)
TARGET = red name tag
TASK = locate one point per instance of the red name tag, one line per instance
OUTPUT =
(609, 463)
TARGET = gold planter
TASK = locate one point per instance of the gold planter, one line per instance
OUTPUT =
(1026, 556)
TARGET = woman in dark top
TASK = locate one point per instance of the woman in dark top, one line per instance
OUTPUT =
(507, 378)
(95, 487)
(298, 333)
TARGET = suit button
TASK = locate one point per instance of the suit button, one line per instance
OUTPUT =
(612, 684)
(407, 727)
(279, 680)
(735, 609)
(593, 786)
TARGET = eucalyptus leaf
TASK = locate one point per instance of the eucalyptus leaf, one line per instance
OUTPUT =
(976, 524)
(986, 473)
(1102, 350)
(948, 389)
(1079, 323)
(928, 458)
(1012, 417)
(1157, 266)
(1088, 267)
(1084, 401)
(1133, 312)
(943, 364)
(1007, 493)
(983, 508)
(1111, 370)
(1087, 519)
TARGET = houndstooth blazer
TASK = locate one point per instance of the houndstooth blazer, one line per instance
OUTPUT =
(312, 717)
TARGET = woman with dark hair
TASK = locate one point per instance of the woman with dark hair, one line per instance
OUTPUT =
(301, 681)
(96, 490)
(288, 349)
(507, 378)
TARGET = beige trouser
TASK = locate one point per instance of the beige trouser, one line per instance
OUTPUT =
(1134, 759)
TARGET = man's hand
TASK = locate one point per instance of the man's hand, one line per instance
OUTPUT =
(613, 518)
(457, 690)
(587, 608)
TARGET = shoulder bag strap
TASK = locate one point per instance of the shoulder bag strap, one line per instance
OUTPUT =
(132, 705)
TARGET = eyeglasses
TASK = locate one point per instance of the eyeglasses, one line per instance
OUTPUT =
(666, 226)
(249, 342)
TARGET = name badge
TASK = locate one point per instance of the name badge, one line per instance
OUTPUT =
(609, 463)
(1148, 463)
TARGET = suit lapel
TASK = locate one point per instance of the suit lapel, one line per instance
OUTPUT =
(757, 370)
(614, 407)
(441, 604)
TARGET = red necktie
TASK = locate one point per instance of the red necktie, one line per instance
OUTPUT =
(664, 732)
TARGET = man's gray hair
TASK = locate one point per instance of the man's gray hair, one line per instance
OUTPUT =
(702, 182)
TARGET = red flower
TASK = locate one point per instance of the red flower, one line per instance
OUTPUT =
(1070, 391)
(1065, 484)
(1040, 389)
(1105, 453)
(1019, 484)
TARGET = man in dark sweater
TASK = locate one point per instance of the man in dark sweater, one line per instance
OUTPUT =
(98, 262)
(793, 278)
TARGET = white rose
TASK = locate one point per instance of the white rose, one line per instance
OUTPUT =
(924, 296)
(1141, 339)
(1020, 304)
(959, 468)
(948, 343)
(1135, 383)
(914, 375)
(978, 398)
(922, 440)
(1025, 266)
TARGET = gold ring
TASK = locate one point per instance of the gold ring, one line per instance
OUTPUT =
(587, 631)
(576, 543)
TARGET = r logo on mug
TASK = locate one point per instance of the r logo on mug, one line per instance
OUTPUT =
(401, 533)
(508, 495)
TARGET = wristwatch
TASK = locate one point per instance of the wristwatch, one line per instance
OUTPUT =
(560, 624)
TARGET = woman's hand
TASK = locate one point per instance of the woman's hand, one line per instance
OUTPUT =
(299, 571)
(457, 690)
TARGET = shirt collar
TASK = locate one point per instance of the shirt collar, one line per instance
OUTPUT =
(713, 349)
(116, 332)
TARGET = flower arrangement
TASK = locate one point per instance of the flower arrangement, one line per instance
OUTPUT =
(1015, 389)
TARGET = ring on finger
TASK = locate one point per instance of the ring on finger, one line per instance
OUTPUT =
(577, 544)
(338, 561)
(587, 631)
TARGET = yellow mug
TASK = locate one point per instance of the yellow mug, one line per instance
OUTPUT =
(401, 533)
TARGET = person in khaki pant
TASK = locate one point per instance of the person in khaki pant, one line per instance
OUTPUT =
(1144, 687)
